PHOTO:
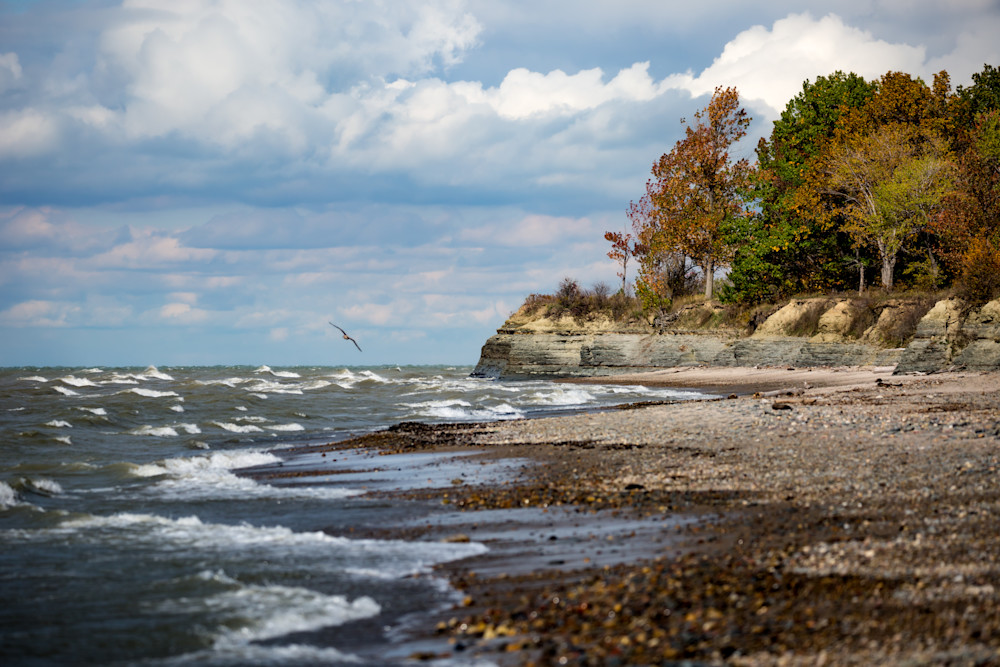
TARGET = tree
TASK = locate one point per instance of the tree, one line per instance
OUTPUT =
(784, 249)
(623, 246)
(697, 189)
(893, 180)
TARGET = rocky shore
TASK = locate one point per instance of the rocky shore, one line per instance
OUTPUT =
(840, 522)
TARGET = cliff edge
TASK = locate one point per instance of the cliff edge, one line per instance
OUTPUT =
(911, 334)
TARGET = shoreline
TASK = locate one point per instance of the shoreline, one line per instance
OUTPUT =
(855, 521)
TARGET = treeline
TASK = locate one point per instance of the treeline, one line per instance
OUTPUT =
(889, 183)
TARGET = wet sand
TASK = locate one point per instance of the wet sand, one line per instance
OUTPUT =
(853, 521)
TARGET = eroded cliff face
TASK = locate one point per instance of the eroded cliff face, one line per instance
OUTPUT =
(910, 334)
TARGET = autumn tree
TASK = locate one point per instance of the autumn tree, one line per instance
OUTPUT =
(893, 180)
(783, 249)
(623, 246)
(663, 271)
(697, 189)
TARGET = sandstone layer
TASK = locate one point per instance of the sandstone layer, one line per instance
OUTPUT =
(910, 335)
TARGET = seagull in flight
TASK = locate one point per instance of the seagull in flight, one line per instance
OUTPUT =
(346, 337)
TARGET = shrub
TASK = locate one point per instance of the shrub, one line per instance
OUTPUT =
(980, 280)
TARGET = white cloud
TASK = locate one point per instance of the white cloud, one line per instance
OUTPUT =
(10, 71)
(38, 313)
(27, 132)
(148, 248)
(532, 231)
(524, 93)
(771, 64)
(224, 70)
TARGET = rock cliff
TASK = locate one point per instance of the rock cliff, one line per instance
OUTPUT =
(913, 335)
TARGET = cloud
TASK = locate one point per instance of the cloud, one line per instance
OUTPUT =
(254, 168)
(532, 231)
(10, 71)
(38, 313)
(771, 64)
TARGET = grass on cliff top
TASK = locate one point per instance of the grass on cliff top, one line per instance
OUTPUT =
(693, 312)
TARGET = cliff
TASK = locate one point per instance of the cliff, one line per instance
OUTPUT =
(913, 335)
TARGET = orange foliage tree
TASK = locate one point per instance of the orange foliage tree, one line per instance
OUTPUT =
(697, 189)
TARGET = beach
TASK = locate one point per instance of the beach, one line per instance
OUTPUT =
(825, 516)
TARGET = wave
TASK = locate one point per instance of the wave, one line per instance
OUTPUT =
(33, 378)
(8, 496)
(459, 409)
(66, 391)
(286, 427)
(390, 558)
(59, 423)
(151, 393)
(152, 372)
(278, 374)
(560, 396)
(211, 476)
(270, 387)
(74, 381)
(166, 431)
(98, 412)
(237, 428)
(41, 486)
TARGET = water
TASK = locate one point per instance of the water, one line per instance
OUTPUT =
(127, 537)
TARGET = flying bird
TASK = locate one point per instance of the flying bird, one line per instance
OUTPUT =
(346, 337)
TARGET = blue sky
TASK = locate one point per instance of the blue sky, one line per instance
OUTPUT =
(211, 181)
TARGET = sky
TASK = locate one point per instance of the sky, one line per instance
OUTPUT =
(202, 182)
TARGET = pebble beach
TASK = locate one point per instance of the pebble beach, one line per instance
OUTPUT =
(805, 517)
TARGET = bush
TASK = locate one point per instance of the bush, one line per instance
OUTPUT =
(580, 304)
(980, 280)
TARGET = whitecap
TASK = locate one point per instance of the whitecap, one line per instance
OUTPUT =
(562, 397)
(268, 386)
(177, 408)
(150, 393)
(59, 423)
(190, 429)
(65, 391)
(8, 496)
(287, 427)
(315, 384)
(392, 558)
(74, 381)
(210, 476)
(33, 378)
(64, 440)
(42, 486)
(227, 382)
(237, 428)
(100, 412)
(253, 419)
(154, 372)
(155, 431)
(118, 378)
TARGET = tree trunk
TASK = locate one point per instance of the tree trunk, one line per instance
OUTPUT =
(861, 272)
(888, 265)
(709, 279)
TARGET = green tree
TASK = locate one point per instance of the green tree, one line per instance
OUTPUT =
(783, 249)
(697, 189)
(893, 179)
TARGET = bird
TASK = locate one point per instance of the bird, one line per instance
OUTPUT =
(346, 337)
